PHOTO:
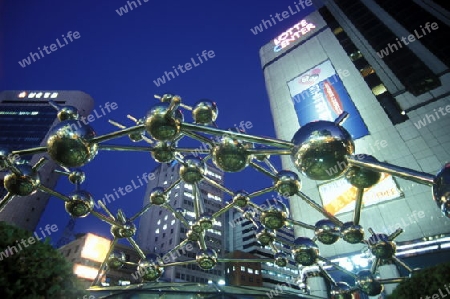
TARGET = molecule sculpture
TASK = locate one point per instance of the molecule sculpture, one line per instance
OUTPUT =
(314, 148)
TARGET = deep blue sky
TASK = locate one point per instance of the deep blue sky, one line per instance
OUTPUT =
(117, 58)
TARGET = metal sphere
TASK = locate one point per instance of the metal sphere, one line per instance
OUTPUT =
(230, 155)
(192, 170)
(162, 125)
(361, 177)
(168, 97)
(205, 112)
(441, 189)
(193, 235)
(77, 177)
(163, 152)
(206, 259)
(158, 196)
(206, 221)
(381, 247)
(265, 236)
(69, 144)
(305, 251)
(80, 205)
(116, 260)
(275, 216)
(281, 259)
(341, 291)
(24, 183)
(320, 150)
(68, 113)
(352, 233)
(180, 211)
(287, 183)
(241, 199)
(367, 283)
(150, 268)
(128, 230)
(327, 232)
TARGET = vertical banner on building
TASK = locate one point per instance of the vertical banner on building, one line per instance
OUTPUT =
(319, 94)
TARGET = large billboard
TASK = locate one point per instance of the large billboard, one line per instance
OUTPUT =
(339, 196)
(319, 94)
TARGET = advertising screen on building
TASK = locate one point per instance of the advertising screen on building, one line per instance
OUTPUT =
(339, 196)
(319, 94)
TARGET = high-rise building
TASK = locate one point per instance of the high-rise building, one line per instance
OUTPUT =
(26, 117)
(241, 238)
(387, 64)
(159, 231)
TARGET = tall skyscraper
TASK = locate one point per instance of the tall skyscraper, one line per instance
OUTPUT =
(159, 231)
(26, 117)
(387, 64)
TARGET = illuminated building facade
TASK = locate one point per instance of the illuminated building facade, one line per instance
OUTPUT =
(159, 231)
(26, 118)
(87, 253)
(397, 94)
(241, 237)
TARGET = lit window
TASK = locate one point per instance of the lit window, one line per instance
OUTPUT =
(250, 271)
(165, 227)
(157, 231)
(172, 222)
(338, 30)
(165, 218)
(367, 71)
(379, 89)
(242, 268)
(159, 222)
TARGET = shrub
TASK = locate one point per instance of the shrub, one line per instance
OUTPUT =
(35, 271)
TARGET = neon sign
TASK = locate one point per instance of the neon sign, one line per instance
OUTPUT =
(292, 34)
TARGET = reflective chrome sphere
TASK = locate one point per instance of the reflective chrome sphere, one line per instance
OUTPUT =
(128, 230)
(192, 170)
(77, 177)
(361, 177)
(206, 221)
(265, 236)
(149, 268)
(230, 155)
(281, 259)
(320, 150)
(80, 205)
(241, 199)
(193, 236)
(69, 144)
(163, 152)
(206, 259)
(441, 189)
(116, 260)
(275, 216)
(23, 184)
(68, 113)
(352, 233)
(287, 183)
(162, 125)
(158, 196)
(327, 231)
(305, 251)
(205, 112)
(381, 247)
(341, 291)
(367, 283)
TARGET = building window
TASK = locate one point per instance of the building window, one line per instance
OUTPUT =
(76, 249)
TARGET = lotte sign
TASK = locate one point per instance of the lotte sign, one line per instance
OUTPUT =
(292, 34)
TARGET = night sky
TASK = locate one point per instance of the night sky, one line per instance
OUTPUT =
(117, 59)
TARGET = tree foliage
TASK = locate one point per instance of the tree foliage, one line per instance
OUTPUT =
(425, 282)
(36, 270)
